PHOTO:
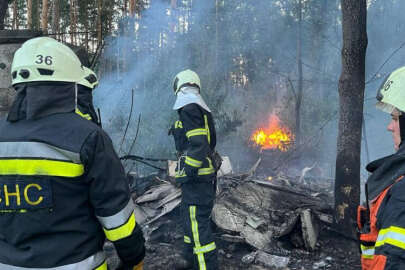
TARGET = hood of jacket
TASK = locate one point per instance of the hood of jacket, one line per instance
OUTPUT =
(385, 171)
(85, 102)
(39, 99)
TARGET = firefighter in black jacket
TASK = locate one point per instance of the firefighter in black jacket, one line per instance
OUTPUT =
(63, 188)
(195, 140)
(85, 87)
(381, 221)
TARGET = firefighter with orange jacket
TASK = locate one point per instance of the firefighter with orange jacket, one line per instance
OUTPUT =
(195, 140)
(382, 221)
(63, 188)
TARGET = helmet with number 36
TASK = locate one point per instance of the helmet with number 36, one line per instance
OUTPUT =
(45, 59)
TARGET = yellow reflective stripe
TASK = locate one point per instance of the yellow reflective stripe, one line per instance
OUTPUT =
(204, 249)
(40, 167)
(367, 256)
(392, 229)
(122, 231)
(86, 116)
(392, 242)
(196, 132)
(178, 124)
(207, 171)
(363, 247)
(103, 266)
(193, 162)
(119, 218)
(393, 235)
(367, 250)
(207, 127)
(194, 225)
(187, 239)
(196, 237)
(14, 211)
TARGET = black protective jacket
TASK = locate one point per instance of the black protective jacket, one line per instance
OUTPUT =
(195, 140)
(63, 188)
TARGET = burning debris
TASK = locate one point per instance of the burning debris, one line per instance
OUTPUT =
(273, 136)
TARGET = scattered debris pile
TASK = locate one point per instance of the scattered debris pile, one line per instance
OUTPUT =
(259, 223)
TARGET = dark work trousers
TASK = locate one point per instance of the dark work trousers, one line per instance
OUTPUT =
(196, 206)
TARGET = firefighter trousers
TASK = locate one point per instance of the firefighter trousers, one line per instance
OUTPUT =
(199, 245)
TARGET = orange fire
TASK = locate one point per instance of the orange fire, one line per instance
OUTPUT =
(274, 136)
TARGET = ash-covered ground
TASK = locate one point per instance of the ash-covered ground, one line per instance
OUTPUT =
(271, 234)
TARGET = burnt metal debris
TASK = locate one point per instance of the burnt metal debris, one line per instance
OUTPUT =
(276, 222)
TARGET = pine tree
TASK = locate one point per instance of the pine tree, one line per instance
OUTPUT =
(44, 14)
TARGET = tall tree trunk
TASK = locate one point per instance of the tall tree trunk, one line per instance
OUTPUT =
(75, 34)
(3, 11)
(351, 98)
(86, 27)
(35, 14)
(125, 7)
(72, 12)
(300, 80)
(15, 15)
(55, 16)
(217, 73)
(131, 7)
(44, 20)
(29, 14)
(99, 25)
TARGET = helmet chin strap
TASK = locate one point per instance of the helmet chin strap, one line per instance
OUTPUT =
(402, 128)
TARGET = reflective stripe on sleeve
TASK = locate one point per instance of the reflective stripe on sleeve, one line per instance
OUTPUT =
(394, 236)
(207, 127)
(119, 218)
(196, 132)
(123, 231)
(36, 150)
(96, 261)
(193, 162)
(40, 167)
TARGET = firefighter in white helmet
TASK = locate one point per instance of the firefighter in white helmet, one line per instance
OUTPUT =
(63, 188)
(85, 88)
(195, 140)
(381, 221)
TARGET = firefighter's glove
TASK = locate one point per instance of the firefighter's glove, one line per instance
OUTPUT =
(190, 171)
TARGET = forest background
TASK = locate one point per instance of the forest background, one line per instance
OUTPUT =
(255, 58)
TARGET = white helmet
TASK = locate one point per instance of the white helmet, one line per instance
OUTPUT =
(186, 77)
(391, 94)
(45, 59)
(89, 79)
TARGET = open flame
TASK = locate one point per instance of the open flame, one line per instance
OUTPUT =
(274, 136)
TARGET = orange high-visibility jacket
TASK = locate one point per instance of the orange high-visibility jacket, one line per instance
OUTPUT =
(382, 223)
